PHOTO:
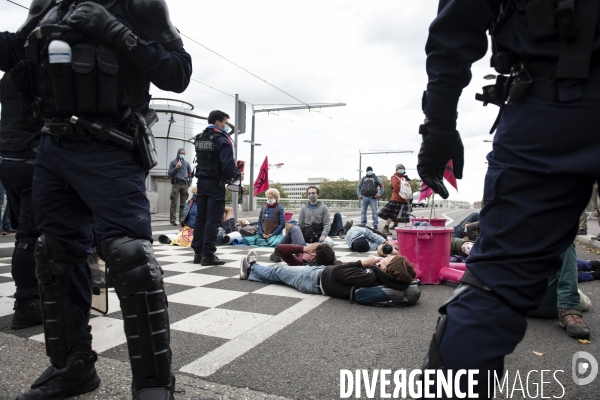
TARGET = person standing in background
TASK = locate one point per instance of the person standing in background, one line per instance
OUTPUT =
(181, 175)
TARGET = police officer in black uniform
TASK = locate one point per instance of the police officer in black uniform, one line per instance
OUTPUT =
(541, 169)
(215, 154)
(19, 139)
(85, 70)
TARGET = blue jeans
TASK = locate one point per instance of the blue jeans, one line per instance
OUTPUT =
(365, 203)
(304, 279)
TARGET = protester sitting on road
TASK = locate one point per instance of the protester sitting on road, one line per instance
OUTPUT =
(563, 293)
(271, 222)
(369, 190)
(397, 209)
(461, 230)
(361, 239)
(343, 281)
(188, 216)
(314, 224)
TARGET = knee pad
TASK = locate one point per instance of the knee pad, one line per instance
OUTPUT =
(131, 265)
(137, 278)
(58, 313)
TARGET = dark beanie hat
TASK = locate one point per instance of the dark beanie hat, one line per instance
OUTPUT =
(369, 169)
(361, 245)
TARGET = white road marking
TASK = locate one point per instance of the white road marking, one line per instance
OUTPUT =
(223, 355)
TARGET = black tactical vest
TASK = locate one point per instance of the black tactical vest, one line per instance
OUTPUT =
(18, 131)
(207, 156)
(97, 83)
(370, 186)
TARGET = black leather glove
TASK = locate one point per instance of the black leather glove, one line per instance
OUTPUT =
(441, 143)
(94, 19)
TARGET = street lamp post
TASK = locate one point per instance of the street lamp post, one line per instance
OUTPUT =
(303, 107)
(252, 144)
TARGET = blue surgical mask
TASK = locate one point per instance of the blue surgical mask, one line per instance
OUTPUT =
(227, 129)
(369, 173)
(181, 156)
(400, 171)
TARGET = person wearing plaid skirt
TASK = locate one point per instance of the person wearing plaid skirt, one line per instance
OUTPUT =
(397, 209)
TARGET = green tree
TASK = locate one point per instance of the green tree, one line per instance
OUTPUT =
(341, 189)
(277, 186)
(387, 188)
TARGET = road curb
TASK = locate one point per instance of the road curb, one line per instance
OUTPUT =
(588, 240)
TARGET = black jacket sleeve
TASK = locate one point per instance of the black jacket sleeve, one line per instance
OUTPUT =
(11, 50)
(167, 70)
(355, 274)
(227, 160)
(457, 38)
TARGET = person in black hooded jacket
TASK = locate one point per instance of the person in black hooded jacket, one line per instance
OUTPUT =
(336, 279)
(181, 175)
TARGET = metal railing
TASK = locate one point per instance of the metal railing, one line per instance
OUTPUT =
(296, 204)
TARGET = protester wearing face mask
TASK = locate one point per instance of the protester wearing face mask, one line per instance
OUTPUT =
(271, 222)
(180, 172)
(397, 209)
(369, 189)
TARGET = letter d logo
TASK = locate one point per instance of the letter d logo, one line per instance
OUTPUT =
(583, 367)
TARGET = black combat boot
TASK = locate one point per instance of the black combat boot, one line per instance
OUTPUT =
(76, 376)
(28, 313)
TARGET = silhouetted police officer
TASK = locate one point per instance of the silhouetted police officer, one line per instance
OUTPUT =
(85, 71)
(541, 169)
(215, 153)
(19, 139)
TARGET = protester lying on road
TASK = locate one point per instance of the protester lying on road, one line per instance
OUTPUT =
(588, 270)
(362, 239)
(373, 281)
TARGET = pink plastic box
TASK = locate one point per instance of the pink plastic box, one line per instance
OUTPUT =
(288, 215)
(428, 249)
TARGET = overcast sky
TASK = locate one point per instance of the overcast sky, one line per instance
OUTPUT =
(369, 55)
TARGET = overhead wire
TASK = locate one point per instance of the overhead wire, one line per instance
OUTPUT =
(17, 4)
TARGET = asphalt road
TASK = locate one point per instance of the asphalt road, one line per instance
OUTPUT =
(304, 360)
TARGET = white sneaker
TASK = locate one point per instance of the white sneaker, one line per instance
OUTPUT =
(584, 302)
(251, 257)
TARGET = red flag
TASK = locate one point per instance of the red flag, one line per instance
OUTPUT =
(449, 175)
(425, 192)
(261, 184)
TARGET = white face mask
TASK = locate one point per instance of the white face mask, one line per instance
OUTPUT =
(468, 248)
(271, 201)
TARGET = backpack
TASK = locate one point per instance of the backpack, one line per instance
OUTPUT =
(383, 296)
(312, 232)
(405, 190)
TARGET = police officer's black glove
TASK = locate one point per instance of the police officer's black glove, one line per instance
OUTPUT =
(441, 143)
(94, 19)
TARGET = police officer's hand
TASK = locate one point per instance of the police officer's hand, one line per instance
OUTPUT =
(97, 21)
(441, 143)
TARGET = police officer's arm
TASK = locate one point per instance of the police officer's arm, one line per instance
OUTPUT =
(169, 70)
(11, 50)
(226, 155)
(457, 38)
